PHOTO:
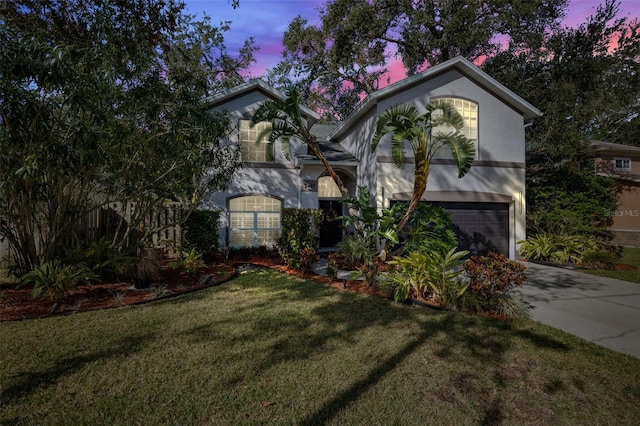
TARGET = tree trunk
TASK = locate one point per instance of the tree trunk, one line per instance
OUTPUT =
(315, 149)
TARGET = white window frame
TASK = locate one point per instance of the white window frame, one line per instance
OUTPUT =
(251, 150)
(625, 164)
(252, 213)
(465, 108)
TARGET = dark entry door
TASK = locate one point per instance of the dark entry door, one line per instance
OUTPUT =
(331, 229)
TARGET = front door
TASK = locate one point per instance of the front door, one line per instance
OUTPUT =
(331, 228)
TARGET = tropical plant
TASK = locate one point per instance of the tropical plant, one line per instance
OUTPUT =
(445, 276)
(287, 121)
(560, 248)
(430, 228)
(55, 280)
(189, 261)
(425, 135)
(370, 228)
(102, 257)
(491, 277)
(432, 275)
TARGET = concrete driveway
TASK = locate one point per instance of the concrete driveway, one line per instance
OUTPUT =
(601, 310)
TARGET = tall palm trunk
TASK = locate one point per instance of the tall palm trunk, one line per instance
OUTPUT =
(315, 149)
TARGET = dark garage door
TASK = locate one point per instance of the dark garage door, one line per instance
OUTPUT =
(480, 227)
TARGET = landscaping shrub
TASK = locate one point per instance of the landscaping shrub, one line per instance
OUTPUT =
(600, 259)
(146, 268)
(560, 248)
(55, 280)
(490, 278)
(429, 229)
(298, 245)
(189, 261)
(101, 257)
(200, 232)
(433, 276)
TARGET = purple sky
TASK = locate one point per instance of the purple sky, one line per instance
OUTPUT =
(266, 21)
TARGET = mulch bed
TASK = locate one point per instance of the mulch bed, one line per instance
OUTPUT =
(16, 302)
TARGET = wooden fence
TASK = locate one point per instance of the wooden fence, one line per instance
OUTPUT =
(163, 223)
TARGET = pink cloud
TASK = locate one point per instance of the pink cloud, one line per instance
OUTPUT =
(267, 20)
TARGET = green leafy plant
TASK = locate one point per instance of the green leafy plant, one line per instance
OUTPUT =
(600, 259)
(444, 276)
(429, 228)
(55, 280)
(189, 261)
(201, 232)
(560, 248)
(434, 275)
(298, 233)
(371, 229)
(101, 257)
(408, 276)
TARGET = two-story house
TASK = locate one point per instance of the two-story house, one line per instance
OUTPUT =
(487, 205)
(622, 163)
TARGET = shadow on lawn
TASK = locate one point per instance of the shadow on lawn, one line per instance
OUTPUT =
(285, 335)
(29, 381)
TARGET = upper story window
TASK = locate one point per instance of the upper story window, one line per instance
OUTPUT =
(469, 112)
(622, 164)
(252, 149)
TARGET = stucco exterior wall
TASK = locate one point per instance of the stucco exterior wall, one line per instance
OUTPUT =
(500, 128)
(627, 215)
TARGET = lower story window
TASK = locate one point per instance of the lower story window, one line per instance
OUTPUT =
(254, 220)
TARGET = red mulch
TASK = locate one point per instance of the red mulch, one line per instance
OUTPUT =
(623, 267)
(17, 304)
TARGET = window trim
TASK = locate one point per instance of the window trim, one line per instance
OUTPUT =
(269, 151)
(255, 227)
(476, 142)
(622, 160)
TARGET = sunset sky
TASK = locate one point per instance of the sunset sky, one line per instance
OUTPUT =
(267, 20)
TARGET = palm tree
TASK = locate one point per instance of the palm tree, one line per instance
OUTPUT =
(286, 122)
(426, 134)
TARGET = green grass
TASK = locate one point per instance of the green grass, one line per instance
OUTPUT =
(630, 256)
(268, 348)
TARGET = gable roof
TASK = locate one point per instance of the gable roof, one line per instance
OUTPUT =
(459, 64)
(253, 85)
(615, 148)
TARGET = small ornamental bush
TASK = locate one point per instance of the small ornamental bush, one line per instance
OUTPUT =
(201, 232)
(307, 257)
(55, 280)
(297, 245)
(491, 277)
(189, 261)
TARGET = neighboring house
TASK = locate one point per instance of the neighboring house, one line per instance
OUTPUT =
(487, 205)
(622, 162)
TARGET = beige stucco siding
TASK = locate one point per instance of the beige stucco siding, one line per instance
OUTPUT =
(627, 215)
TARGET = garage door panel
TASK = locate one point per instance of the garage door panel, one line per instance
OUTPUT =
(480, 227)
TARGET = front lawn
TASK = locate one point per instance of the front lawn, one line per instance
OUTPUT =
(631, 257)
(268, 348)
